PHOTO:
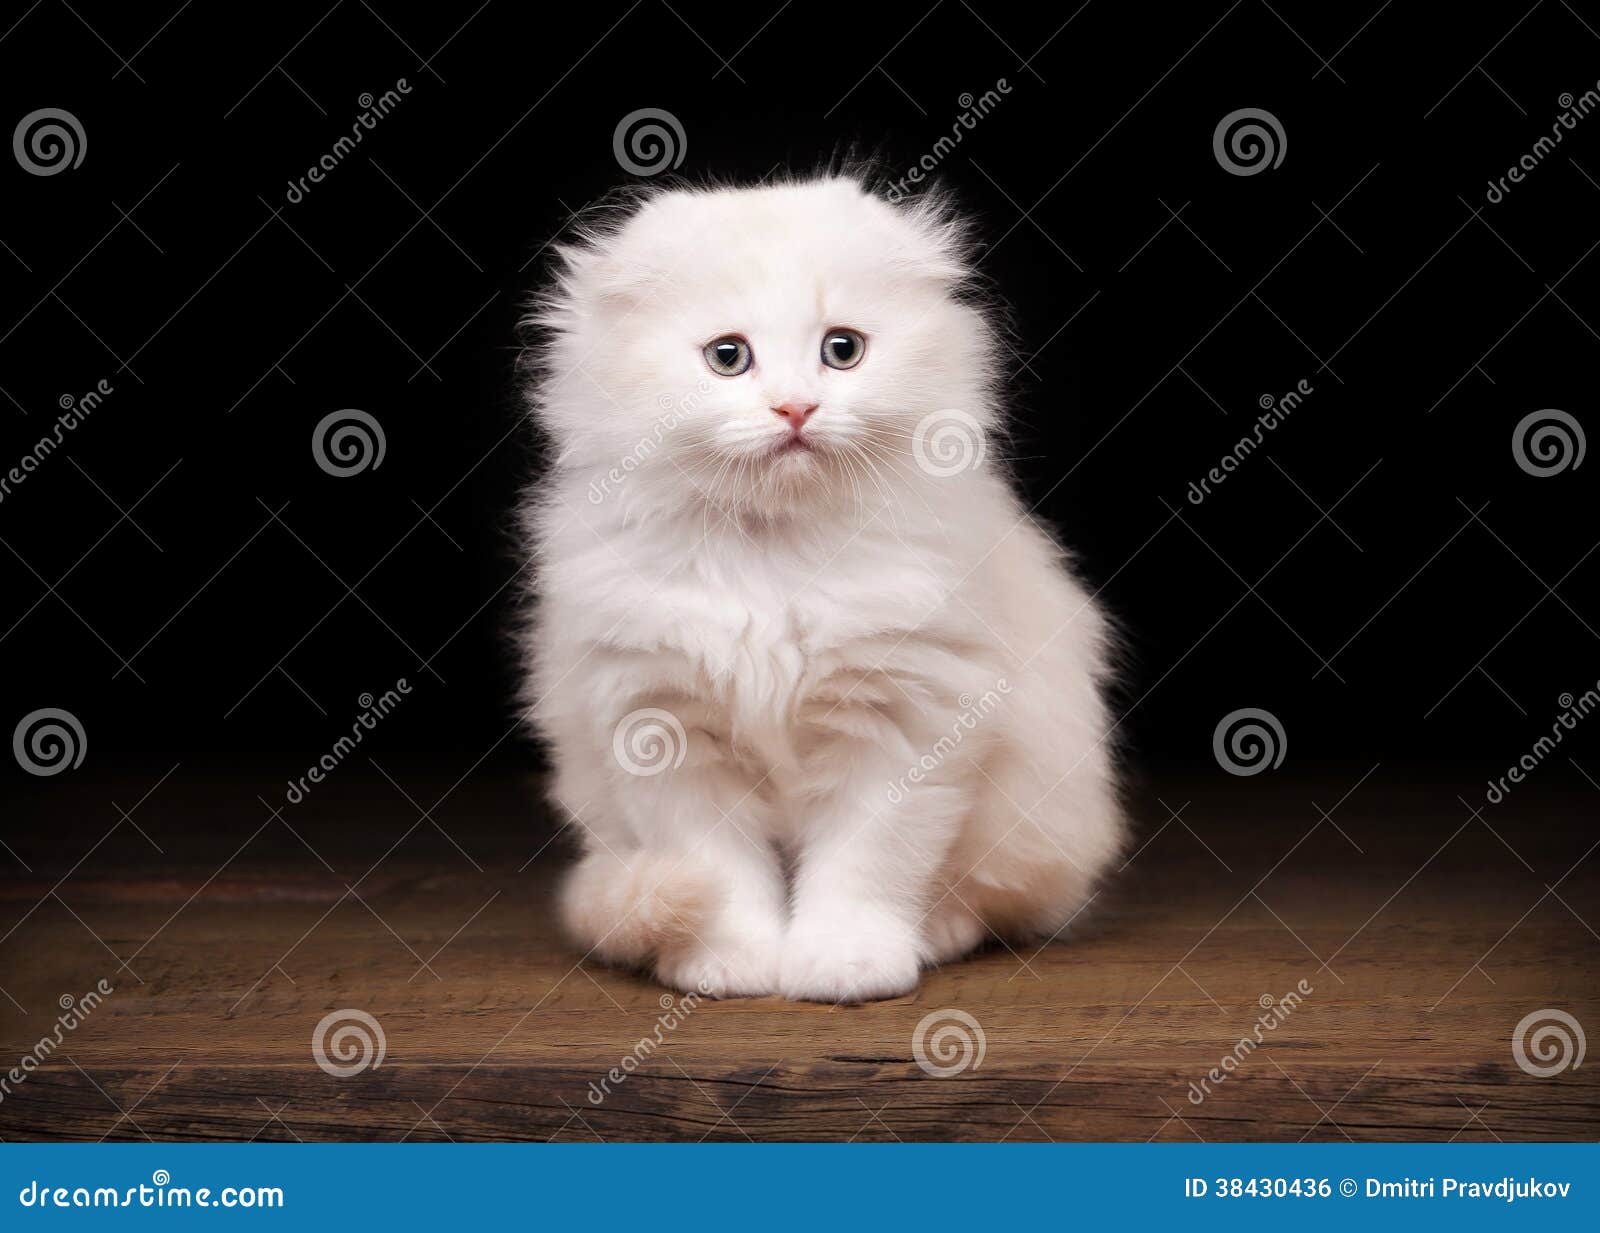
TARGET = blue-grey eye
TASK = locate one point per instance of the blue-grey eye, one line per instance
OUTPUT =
(843, 348)
(728, 356)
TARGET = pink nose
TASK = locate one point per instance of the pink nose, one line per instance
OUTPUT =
(795, 412)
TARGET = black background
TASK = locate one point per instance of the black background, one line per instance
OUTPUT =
(229, 321)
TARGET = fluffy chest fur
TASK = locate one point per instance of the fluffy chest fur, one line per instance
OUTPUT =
(781, 635)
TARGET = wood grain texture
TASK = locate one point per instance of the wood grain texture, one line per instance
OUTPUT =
(1425, 933)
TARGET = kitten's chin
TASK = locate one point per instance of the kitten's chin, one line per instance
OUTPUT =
(793, 455)
(796, 450)
(784, 479)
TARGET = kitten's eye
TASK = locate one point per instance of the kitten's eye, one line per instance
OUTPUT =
(843, 348)
(728, 356)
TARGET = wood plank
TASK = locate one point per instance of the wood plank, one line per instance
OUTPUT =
(1423, 933)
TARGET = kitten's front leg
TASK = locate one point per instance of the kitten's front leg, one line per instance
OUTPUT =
(737, 954)
(866, 865)
(705, 816)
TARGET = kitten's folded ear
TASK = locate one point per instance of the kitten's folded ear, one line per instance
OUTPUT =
(596, 272)
(930, 240)
(624, 256)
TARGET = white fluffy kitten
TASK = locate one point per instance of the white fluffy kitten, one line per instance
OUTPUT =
(823, 700)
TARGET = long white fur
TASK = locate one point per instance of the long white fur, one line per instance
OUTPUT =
(815, 624)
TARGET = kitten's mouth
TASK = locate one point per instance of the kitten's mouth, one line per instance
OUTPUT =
(794, 445)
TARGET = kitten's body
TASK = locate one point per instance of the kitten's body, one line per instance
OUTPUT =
(874, 684)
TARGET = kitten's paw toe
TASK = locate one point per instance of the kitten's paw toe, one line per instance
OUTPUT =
(949, 933)
(848, 967)
(730, 970)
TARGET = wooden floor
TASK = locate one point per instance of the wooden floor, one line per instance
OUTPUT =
(229, 928)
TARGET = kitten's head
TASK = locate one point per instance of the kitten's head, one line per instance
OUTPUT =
(765, 349)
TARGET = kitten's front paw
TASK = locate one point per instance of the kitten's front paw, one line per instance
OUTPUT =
(734, 969)
(861, 965)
